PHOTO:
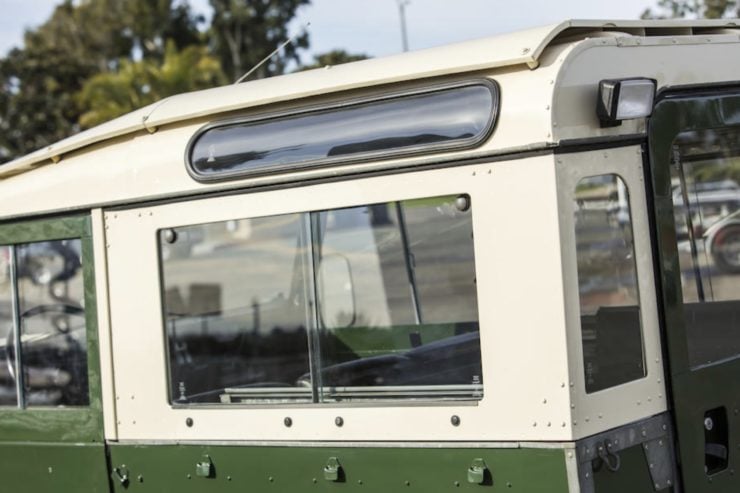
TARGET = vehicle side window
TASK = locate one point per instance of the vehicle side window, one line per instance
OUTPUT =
(43, 309)
(370, 302)
(705, 176)
(611, 325)
(8, 394)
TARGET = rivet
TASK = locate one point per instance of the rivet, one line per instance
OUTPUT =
(339, 421)
(314, 481)
(457, 483)
(51, 470)
(534, 424)
(407, 483)
(544, 401)
(455, 420)
(189, 422)
(228, 478)
(508, 485)
(271, 479)
(140, 478)
(359, 481)
(288, 422)
(189, 476)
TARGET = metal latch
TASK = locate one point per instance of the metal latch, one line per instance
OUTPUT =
(603, 450)
(204, 468)
(477, 472)
(120, 474)
(333, 470)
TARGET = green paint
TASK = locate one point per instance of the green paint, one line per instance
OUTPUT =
(53, 468)
(173, 468)
(84, 424)
(694, 390)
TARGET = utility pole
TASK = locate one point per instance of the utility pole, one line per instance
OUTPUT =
(402, 13)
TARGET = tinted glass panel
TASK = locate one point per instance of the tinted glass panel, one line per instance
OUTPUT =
(460, 115)
(414, 326)
(607, 283)
(52, 315)
(237, 309)
(706, 197)
(395, 289)
(8, 394)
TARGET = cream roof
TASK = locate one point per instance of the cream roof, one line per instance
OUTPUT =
(520, 48)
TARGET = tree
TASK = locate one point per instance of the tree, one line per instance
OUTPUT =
(334, 57)
(708, 9)
(39, 82)
(137, 84)
(244, 32)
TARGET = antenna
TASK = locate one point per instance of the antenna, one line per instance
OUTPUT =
(275, 52)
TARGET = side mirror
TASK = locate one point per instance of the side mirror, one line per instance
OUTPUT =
(336, 292)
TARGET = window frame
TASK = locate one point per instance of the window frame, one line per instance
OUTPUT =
(637, 399)
(454, 145)
(60, 424)
(315, 332)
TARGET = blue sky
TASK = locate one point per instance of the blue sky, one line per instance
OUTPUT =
(372, 26)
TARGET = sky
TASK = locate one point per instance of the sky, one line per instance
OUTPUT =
(372, 27)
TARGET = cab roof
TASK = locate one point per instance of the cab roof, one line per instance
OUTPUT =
(522, 48)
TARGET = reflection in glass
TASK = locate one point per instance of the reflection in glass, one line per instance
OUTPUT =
(461, 114)
(705, 179)
(395, 289)
(414, 332)
(237, 306)
(607, 283)
(52, 317)
(8, 396)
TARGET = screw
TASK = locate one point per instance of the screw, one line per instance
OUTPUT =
(455, 420)
(189, 422)
(339, 421)
(288, 422)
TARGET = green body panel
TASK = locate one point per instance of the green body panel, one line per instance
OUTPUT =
(698, 390)
(172, 468)
(41, 468)
(54, 424)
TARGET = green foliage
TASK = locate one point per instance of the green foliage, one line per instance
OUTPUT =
(93, 60)
(244, 32)
(334, 57)
(708, 9)
(136, 84)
